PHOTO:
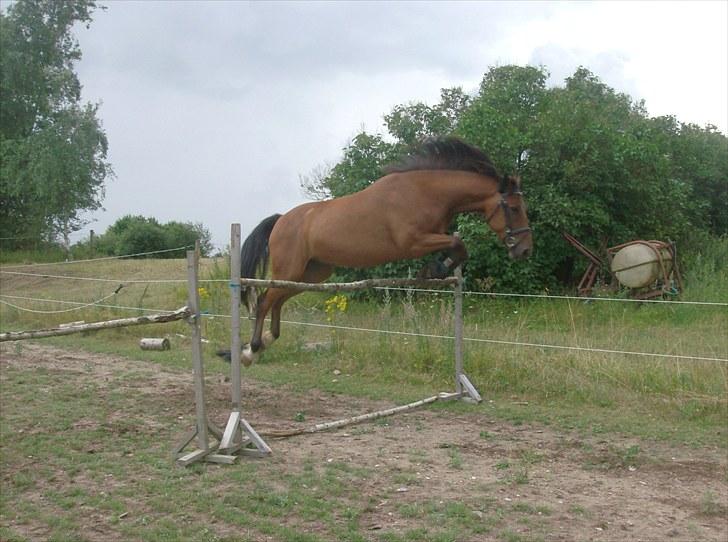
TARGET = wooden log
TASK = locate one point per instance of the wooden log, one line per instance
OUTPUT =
(357, 419)
(179, 314)
(350, 286)
(150, 343)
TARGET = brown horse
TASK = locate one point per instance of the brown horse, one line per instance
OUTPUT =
(403, 215)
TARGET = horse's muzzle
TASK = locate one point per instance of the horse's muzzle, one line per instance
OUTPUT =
(519, 243)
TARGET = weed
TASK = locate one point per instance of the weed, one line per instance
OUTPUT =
(709, 506)
(456, 458)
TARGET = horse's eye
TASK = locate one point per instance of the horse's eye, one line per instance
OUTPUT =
(515, 209)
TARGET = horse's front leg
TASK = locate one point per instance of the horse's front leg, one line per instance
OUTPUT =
(455, 254)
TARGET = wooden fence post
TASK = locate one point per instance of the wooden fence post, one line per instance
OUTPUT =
(204, 450)
(238, 435)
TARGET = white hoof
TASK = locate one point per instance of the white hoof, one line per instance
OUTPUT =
(268, 339)
(247, 356)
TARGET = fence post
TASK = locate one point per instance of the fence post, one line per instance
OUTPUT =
(458, 302)
(239, 434)
(200, 431)
(463, 387)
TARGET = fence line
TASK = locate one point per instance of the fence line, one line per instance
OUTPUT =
(568, 297)
(66, 302)
(35, 311)
(67, 262)
(426, 335)
(511, 343)
(94, 279)
(384, 284)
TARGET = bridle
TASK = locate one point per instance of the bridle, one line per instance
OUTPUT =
(512, 236)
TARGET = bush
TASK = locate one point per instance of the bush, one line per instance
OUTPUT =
(137, 234)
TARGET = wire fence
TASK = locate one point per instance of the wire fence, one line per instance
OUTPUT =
(410, 289)
(78, 305)
(543, 346)
(104, 258)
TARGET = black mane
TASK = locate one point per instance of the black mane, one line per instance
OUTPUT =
(446, 153)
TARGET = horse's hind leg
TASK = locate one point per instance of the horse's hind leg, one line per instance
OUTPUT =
(315, 272)
(259, 340)
(273, 300)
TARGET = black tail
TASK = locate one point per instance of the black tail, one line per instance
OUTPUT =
(254, 256)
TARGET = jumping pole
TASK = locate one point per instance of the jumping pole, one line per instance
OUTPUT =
(463, 387)
(203, 427)
(239, 436)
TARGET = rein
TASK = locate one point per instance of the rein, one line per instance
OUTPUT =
(512, 237)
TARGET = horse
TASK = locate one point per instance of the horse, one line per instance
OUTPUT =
(403, 215)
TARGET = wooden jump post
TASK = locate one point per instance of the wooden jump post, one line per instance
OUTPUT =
(203, 427)
(239, 437)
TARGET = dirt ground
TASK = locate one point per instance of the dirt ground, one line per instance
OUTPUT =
(581, 488)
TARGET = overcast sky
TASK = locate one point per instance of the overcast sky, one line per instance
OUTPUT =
(214, 109)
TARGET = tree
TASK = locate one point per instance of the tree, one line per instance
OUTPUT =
(591, 160)
(52, 147)
(134, 234)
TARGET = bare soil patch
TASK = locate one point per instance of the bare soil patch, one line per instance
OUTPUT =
(545, 484)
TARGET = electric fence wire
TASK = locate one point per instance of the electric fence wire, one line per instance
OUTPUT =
(68, 262)
(393, 288)
(422, 335)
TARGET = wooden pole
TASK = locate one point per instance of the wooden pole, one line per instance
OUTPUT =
(179, 314)
(239, 435)
(193, 295)
(458, 324)
(201, 424)
(231, 429)
(359, 419)
(350, 286)
(235, 316)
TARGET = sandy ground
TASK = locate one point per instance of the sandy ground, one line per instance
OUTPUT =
(578, 488)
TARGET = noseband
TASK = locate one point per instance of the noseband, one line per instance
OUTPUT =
(512, 238)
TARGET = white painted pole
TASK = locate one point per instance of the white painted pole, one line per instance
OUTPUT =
(235, 316)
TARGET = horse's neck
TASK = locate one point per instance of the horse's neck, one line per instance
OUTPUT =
(464, 192)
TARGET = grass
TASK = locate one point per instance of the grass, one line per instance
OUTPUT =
(656, 397)
(678, 401)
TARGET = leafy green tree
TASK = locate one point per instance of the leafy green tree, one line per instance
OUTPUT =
(184, 234)
(412, 123)
(135, 234)
(502, 115)
(360, 165)
(52, 147)
(592, 162)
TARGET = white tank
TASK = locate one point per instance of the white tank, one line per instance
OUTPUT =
(638, 264)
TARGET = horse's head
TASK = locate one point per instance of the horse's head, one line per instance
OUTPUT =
(507, 218)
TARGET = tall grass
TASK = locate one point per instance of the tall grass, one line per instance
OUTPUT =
(684, 389)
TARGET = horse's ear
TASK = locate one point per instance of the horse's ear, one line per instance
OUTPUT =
(504, 184)
(508, 184)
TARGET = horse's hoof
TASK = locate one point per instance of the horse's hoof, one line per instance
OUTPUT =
(433, 270)
(247, 356)
(267, 339)
(224, 354)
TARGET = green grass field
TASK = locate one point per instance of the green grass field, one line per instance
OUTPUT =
(632, 402)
